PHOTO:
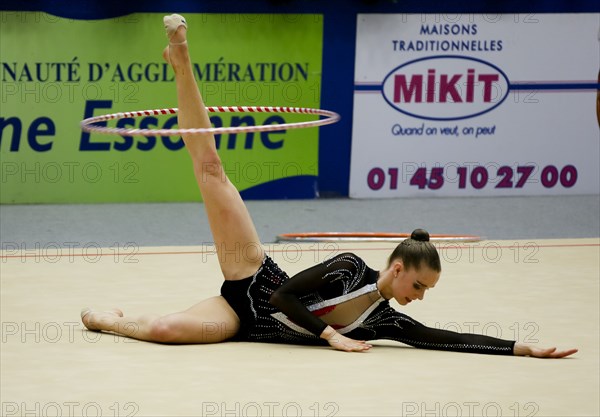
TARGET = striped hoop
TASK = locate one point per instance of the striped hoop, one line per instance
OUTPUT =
(368, 237)
(89, 124)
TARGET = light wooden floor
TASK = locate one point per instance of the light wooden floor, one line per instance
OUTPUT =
(544, 292)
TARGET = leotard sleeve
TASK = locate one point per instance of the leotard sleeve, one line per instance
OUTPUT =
(287, 298)
(396, 326)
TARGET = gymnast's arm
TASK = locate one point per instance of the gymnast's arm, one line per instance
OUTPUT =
(402, 328)
(406, 330)
(287, 299)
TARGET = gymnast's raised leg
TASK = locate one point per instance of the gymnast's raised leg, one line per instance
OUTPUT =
(238, 247)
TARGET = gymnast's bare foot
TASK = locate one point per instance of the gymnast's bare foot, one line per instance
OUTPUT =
(93, 320)
(176, 28)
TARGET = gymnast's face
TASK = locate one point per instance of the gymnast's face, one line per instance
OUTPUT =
(410, 284)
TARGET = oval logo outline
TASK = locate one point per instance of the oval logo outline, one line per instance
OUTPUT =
(480, 61)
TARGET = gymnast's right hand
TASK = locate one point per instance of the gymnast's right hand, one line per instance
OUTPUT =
(341, 342)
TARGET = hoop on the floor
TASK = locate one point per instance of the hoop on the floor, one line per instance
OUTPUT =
(368, 237)
(89, 124)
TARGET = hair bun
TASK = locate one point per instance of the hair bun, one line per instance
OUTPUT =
(420, 234)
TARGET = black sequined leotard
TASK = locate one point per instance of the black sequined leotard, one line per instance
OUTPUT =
(340, 292)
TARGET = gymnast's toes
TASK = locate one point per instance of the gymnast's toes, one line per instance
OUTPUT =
(173, 25)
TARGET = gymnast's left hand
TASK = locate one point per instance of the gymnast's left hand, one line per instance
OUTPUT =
(341, 342)
(522, 349)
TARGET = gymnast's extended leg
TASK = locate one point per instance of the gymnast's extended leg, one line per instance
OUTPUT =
(238, 247)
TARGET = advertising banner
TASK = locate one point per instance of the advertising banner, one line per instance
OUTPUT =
(475, 105)
(55, 72)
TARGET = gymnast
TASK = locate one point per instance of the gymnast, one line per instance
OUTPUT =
(341, 302)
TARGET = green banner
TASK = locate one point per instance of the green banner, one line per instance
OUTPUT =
(56, 72)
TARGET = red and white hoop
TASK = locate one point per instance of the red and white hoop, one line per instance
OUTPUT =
(89, 124)
(368, 237)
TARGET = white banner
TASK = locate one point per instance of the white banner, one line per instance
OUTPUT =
(475, 105)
